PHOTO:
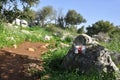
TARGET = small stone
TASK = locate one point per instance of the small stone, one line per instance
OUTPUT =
(45, 46)
(15, 46)
(47, 37)
(31, 49)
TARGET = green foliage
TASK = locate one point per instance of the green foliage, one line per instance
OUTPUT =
(9, 37)
(115, 32)
(25, 3)
(29, 2)
(38, 34)
(8, 13)
(100, 26)
(68, 39)
(71, 28)
(9, 9)
(55, 30)
(61, 22)
(114, 44)
(81, 30)
(28, 14)
(73, 18)
(44, 13)
(1, 28)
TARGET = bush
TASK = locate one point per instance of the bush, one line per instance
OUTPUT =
(114, 44)
(68, 39)
(72, 29)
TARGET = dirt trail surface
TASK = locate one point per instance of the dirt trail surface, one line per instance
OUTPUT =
(13, 60)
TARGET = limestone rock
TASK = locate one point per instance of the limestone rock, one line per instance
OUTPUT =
(31, 49)
(47, 37)
(21, 22)
(93, 57)
(45, 46)
(15, 46)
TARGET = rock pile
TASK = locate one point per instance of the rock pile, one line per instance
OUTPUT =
(88, 56)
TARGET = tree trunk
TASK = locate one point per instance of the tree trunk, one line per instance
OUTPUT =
(42, 23)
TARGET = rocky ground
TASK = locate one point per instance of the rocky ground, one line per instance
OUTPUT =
(15, 62)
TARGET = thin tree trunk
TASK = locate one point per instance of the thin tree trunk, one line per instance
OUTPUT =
(42, 23)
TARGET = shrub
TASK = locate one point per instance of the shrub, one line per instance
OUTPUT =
(72, 29)
(68, 39)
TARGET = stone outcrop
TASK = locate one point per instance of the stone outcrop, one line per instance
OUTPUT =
(87, 56)
(20, 22)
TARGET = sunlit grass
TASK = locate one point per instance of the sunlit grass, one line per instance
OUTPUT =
(113, 45)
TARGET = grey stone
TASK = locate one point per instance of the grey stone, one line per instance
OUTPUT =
(95, 57)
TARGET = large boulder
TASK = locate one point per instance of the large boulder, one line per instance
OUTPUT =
(87, 56)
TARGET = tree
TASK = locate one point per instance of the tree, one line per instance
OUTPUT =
(44, 14)
(100, 26)
(29, 3)
(10, 4)
(81, 30)
(61, 22)
(29, 14)
(73, 18)
(13, 7)
(2, 2)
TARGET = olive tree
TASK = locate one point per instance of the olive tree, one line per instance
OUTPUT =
(73, 18)
(44, 14)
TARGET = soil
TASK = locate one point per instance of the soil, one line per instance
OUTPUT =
(14, 59)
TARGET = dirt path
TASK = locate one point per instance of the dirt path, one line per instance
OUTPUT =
(13, 60)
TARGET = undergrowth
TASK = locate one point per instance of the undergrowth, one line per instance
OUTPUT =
(114, 44)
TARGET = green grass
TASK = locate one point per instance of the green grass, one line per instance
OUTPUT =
(9, 37)
(114, 44)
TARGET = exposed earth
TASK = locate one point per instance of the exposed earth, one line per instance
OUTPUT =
(13, 60)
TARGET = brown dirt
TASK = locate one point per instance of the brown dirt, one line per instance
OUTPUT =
(13, 60)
